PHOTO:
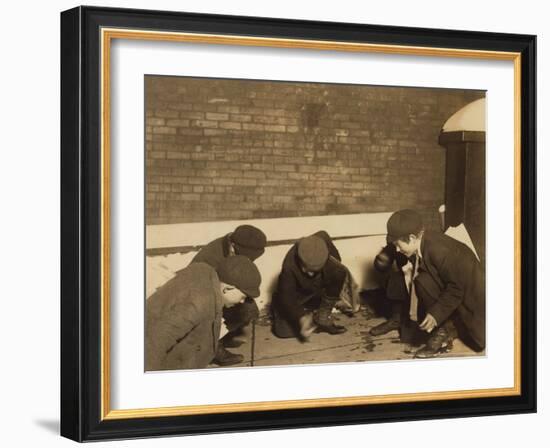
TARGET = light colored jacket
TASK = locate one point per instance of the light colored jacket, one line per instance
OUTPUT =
(183, 319)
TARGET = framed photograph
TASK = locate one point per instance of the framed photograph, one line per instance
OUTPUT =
(274, 224)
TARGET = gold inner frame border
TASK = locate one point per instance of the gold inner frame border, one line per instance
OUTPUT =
(107, 35)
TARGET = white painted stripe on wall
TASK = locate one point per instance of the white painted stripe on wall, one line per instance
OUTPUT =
(276, 229)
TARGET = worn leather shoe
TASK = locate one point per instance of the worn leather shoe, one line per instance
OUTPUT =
(384, 327)
(226, 358)
(330, 328)
(440, 342)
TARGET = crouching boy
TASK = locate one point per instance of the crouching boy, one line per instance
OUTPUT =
(447, 296)
(245, 240)
(183, 317)
(310, 284)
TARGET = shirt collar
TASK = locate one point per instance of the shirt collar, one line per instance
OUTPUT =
(419, 254)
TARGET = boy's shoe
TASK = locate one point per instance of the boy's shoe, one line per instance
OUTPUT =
(226, 358)
(384, 327)
(440, 342)
(330, 328)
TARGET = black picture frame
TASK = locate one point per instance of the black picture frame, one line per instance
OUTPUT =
(81, 225)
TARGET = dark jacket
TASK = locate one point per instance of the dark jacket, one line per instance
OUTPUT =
(295, 288)
(214, 252)
(460, 277)
(183, 320)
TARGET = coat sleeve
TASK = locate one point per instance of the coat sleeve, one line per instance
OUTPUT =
(288, 297)
(454, 275)
(173, 324)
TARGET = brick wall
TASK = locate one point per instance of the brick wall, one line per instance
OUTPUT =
(237, 149)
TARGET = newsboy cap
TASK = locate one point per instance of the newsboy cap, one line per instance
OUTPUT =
(402, 224)
(240, 272)
(313, 253)
(249, 241)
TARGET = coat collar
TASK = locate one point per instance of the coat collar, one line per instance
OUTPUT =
(228, 250)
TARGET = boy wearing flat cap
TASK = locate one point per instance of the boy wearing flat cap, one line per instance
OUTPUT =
(447, 294)
(310, 283)
(248, 241)
(183, 317)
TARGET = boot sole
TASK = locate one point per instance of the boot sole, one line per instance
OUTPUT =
(225, 364)
(436, 354)
(318, 330)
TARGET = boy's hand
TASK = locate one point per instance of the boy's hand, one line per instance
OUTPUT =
(307, 326)
(429, 323)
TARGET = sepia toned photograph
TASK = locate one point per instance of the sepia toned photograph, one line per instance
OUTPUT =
(293, 223)
(313, 206)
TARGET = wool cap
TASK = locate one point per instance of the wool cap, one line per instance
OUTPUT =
(249, 241)
(240, 272)
(403, 223)
(313, 253)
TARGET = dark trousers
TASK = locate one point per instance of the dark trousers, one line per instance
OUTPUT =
(397, 293)
(399, 301)
(240, 315)
(428, 292)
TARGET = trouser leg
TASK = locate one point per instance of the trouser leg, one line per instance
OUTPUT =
(240, 315)
(324, 309)
(323, 316)
(428, 292)
(282, 327)
(236, 318)
(397, 296)
(441, 338)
